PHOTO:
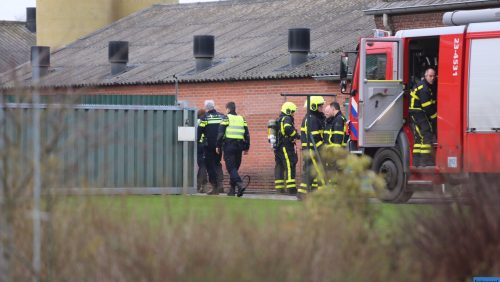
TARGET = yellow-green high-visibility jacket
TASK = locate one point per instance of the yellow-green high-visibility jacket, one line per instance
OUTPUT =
(233, 127)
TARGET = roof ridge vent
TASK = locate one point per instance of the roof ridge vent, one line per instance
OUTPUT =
(31, 19)
(203, 51)
(118, 56)
(299, 45)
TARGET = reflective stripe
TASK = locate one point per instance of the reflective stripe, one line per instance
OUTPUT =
(302, 191)
(333, 145)
(426, 104)
(279, 186)
(338, 132)
(236, 127)
(279, 181)
(434, 116)
(311, 144)
(293, 133)
(316, 166)
(426, 146)
(316, 132)
(425, 151)
(214, 121)
(288, 166)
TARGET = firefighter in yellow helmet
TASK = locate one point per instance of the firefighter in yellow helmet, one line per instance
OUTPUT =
(311, 137)
(285, 155)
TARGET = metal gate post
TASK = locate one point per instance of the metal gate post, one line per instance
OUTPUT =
(185, 155)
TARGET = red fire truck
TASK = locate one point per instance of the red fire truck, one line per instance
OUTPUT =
(466, 56)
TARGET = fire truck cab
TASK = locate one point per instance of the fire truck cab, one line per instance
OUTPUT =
(466, 58)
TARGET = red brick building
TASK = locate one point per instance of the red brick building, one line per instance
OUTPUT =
(252, 63)
(412, 14)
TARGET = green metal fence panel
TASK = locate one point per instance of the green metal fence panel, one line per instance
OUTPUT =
(106, 146)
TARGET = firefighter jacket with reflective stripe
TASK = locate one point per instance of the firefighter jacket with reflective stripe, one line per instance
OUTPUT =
(315, 131)
(335, 128)
(208, 127)
(423, 98)
(287, 134)
(233, 127)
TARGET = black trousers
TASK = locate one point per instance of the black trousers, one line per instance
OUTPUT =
(214, 167)
(423, 134)
(311, 178)
(202, 168)
(232, 157)
(285, 159)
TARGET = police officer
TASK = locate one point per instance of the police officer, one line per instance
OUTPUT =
(202, 168)
(423, 116)
(311, 137)
(285, 155)
(209, 128)
(234, 138)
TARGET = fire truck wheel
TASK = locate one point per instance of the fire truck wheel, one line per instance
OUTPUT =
(388, 163)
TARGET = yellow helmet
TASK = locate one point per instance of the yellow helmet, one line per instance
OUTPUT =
(288, 108)
(315, 102)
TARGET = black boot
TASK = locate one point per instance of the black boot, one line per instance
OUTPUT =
(232, 191)
(292, 191)
(241, 189)
(213, 190)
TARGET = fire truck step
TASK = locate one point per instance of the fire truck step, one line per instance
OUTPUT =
(421, 185)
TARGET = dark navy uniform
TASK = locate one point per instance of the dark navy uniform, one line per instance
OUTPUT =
(311, 166)
(209, 128)
(423, 116)
(285, 155)
(234, 138)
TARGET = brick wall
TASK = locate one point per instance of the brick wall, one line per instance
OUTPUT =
(257, 101)
(419, 20)
(412, 21)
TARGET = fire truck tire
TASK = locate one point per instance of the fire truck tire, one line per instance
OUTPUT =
(388, 163)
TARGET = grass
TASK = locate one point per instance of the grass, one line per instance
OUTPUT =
(154, 209)
(178, 208)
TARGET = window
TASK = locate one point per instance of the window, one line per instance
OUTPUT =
(484, 98)
(376, 65)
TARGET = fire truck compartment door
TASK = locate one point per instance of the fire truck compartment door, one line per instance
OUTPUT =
(380, 91)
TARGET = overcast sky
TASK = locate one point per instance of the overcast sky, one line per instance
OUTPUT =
(16, 9)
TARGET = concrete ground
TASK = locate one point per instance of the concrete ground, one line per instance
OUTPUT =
(418, 197)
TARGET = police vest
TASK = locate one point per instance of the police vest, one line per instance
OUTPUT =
(235, 128)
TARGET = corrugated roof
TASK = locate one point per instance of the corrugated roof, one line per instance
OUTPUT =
(250, 42)
(15, 43)
(412, 6)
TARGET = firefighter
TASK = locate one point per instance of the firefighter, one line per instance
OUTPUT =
(335, 138)
(202, 168)
(423, 116)
(234, 139)
(285, 155)
(209, 129)
(311, 171)
(335, 127)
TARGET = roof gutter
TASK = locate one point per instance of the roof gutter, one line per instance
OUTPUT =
(432, 7)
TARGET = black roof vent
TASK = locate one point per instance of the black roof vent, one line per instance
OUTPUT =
(203, 51)
(31, 19)
(40, 61)
(299, 45)
(118, 56)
